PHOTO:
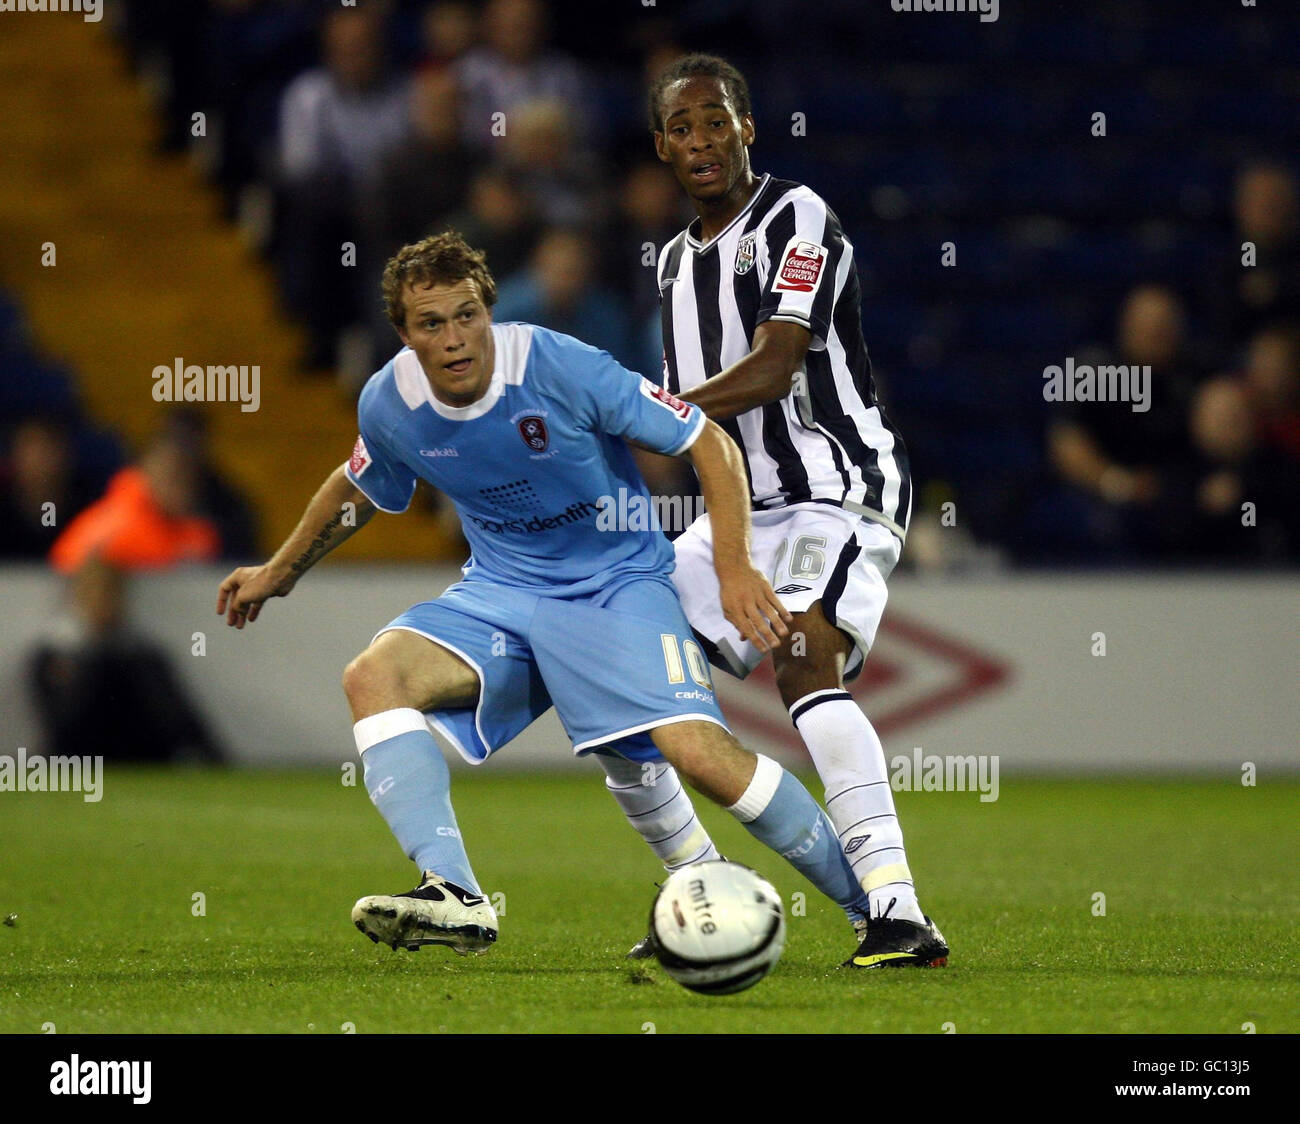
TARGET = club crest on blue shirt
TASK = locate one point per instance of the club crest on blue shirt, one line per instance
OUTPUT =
(745, 253)
(533, 430)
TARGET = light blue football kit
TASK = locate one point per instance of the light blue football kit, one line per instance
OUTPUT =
(559, 604)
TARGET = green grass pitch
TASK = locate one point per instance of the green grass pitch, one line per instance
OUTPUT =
(1199, 931)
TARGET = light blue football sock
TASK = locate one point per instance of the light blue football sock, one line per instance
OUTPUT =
(410, 784)
(778, 811)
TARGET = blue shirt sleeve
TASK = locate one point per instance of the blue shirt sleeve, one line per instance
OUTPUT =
(387, 482)
(622, 403)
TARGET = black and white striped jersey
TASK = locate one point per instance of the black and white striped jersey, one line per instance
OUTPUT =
(785, 257)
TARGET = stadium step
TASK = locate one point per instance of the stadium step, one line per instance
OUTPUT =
(146, 270)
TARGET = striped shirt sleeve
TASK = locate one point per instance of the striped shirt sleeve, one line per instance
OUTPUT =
(804, 245)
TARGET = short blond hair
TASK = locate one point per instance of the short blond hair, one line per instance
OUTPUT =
(441, 259)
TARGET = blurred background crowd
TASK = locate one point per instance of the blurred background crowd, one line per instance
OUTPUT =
(336, 134)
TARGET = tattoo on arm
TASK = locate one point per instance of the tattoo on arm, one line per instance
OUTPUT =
(318, 545)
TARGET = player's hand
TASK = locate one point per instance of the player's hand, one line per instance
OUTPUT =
(244, 591)
(753, 609)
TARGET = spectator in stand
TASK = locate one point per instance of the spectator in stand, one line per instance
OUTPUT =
(422, 178)
(1249, 298)
(1237, 500)
(148, 518)
(649, 216)
(448, 30)
(251, 49)
(559, 291)
(498, 219)
(514, 67)
(217, 500)
(1116, 456)
(101, 689)
(1273, 382)
(335, 123)
(417, 184)
(40, 470)
(563, 179)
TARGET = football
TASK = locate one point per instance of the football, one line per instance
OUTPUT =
(717, 927)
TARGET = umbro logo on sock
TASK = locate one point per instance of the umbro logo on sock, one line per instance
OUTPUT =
(854, 843)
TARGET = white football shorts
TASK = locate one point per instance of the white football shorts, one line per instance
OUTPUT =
(810, 552)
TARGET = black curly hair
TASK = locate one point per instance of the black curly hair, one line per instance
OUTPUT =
(698, 66)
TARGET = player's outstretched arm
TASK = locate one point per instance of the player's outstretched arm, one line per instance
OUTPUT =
(747, 598)
(336, 512)
(764, 375)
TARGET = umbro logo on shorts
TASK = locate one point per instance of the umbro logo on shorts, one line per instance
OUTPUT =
(794, 589)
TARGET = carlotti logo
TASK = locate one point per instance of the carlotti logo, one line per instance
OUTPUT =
(801, 267)
(533, 430)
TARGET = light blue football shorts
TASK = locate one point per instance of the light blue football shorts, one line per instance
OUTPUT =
(614, 664)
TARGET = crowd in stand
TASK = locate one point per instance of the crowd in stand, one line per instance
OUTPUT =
(357, 129)
(99, 684)
(1211, 470)
(410, 118)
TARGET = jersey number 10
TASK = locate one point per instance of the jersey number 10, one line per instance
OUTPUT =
(695, 661)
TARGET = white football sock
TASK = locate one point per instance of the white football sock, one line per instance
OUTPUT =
(655, 803)
(851, 763)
